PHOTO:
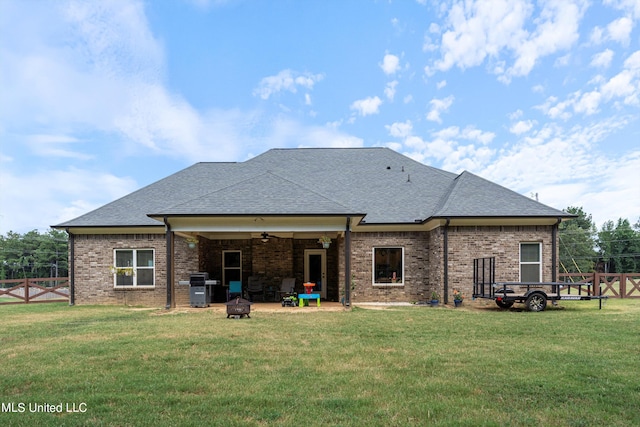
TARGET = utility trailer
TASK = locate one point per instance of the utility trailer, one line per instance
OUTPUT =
(534, 295)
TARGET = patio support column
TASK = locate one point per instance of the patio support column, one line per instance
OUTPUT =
(347, 263)
(72, 268)
(169, 261)
(445, 249)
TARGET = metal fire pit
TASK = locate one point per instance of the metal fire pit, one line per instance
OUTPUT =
(238, 307)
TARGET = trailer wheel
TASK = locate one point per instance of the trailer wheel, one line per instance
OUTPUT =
(536, 302)
(504, 304)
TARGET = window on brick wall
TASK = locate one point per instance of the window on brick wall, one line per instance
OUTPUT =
(134, 267)
(388, 266)
(530, 262)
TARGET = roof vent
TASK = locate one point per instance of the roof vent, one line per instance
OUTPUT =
(388, 168)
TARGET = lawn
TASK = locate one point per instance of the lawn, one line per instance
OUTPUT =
(115, 366)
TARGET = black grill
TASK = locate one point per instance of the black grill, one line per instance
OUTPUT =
(198, 279)
(199, 293)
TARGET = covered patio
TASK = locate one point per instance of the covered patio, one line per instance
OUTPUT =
(267, 249)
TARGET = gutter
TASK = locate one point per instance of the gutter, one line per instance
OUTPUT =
(72, 268)
(347, 263)
(445, 249)
(169, 240)
(554, 250)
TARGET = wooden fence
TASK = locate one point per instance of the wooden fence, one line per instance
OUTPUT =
(614, 285)
(24, 291)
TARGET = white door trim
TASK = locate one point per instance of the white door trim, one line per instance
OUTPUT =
(323, 267)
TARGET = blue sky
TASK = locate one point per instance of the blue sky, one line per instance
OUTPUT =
(98, 99)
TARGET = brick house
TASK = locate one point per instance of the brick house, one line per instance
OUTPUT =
(398, 229)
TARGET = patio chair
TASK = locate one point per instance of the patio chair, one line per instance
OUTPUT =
(287, 287)
(235, 289)
(255, 287)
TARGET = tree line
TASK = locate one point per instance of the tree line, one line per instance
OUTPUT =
(583, 248)
(614, 248)
(34, 254)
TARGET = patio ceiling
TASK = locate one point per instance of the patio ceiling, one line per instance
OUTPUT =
(259, 224)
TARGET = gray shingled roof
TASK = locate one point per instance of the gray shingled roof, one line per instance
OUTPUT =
(386, 186)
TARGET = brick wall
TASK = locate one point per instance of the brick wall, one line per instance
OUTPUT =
(424, 259)
(94, 259)
(501, 242)
(280, 258)
(185, 262)
(416, 259)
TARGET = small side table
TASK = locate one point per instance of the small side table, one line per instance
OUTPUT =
(303, 297)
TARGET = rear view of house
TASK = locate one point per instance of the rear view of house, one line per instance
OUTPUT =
(364, 225)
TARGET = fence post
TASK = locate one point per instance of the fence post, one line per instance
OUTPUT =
(623, 285)
(26, 290)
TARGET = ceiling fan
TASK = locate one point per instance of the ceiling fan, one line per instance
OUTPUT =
(266, 236)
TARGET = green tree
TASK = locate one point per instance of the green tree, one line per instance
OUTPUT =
(619, 246)
(34, 255)
(577, 242)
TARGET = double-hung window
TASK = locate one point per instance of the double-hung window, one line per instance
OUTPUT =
(231, 266)
(134, 268)
(388, 266)
(530, 262)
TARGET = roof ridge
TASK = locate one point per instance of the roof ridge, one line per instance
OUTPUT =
(310, 190)
(446, 196)
(253, 177)
(216, 190)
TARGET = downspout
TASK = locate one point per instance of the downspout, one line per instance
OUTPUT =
(347, 263)
(446, 260)
(72, 268)
(169, 241)
(554, 250)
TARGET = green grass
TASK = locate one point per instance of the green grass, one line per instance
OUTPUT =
(575, 366)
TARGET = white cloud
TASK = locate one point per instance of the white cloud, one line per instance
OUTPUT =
(390, 90)
(114, 59)
(521, 127)
(624, 87)
(620, 30)
(390, 64)
(480, 29)
(441, 84)
(400, 129)
(50, 188)
(55, 146)
(286, 132)
(600, 196)
(439, 106)
(630, 7)
(515, 115)
(483, 30)
(456, 148)
(367, 106)
(588, 103)
(602, 59)
(549, 149)
(286, 80)
(557, 30)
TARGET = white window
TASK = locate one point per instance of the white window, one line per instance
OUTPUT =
(134, 267)
(388, 266)
(530, 262)
(231, 266)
